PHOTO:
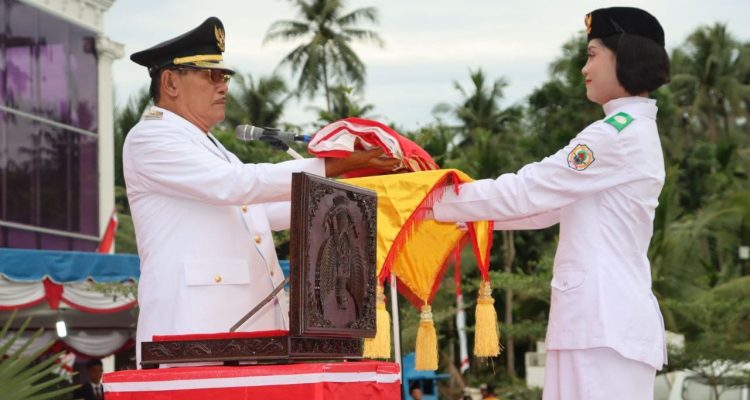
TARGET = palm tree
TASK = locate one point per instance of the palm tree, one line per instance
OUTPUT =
(480, 110)
(260, 102)
(707, 80)
(480, 107)
(327, 32)
(343, 106)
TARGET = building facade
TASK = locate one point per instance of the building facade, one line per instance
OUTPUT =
(56, 124)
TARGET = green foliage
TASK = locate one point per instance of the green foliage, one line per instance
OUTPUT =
(343, 105)
(718, 347)
(326, 30)
(260, 103)
(125, 120)
(23, 376)
(125, 236)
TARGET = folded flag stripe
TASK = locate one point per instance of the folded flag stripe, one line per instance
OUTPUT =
(339, 138)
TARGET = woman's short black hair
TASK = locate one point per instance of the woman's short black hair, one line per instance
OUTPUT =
(642, 64)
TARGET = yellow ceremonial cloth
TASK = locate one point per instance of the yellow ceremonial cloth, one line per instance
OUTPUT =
(415, 249)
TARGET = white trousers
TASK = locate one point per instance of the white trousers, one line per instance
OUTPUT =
(594, 374)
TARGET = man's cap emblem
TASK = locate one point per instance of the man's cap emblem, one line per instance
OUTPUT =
(219, 33)
(580, 157)
(587, 19)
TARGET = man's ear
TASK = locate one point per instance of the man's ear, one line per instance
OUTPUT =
(169, 83)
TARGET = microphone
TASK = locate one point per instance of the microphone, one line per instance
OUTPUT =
(247, 133)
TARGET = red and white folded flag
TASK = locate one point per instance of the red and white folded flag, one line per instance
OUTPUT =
(339, 138)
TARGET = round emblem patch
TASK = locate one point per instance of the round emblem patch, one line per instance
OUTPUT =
(580, 157)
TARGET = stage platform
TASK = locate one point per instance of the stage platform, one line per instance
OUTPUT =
(314, 381)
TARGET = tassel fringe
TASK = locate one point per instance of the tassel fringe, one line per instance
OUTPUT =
(426, 357)
(380, 345)
(486, 337)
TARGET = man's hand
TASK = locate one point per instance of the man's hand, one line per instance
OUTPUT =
(361, 159)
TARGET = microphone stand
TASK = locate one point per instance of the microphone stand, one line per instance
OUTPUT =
(283, 146)
(294, 154)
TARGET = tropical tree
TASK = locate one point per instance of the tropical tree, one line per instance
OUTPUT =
(718, 349)
(258, 102)
(125, 120)
(343, 105)
(325, 55)
(708, 82)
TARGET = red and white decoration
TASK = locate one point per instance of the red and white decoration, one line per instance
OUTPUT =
(351, 380)
(105, 245)
(340, 138)
(77, 295)
(88, 343)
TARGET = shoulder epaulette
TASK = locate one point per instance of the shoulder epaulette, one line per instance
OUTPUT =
(153, 114)
(620, 121)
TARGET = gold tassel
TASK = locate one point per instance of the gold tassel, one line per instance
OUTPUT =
(380, 345)
(486, 337)
(426, 357)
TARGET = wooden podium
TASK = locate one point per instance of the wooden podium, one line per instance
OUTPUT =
(332, 296)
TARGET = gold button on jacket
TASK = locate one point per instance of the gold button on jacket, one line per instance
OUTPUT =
(257, 239)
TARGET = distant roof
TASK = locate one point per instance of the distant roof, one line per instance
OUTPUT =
(67, 266)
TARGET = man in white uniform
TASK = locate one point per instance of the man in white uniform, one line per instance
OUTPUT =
(605, 336)
(202, 218)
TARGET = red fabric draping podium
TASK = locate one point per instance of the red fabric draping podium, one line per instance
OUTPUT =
(343, 380)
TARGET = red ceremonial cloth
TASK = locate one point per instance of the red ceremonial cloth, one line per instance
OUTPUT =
(338, 139)
(323, 381)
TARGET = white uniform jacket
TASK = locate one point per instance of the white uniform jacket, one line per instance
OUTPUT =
(603, 189)
(206, 256)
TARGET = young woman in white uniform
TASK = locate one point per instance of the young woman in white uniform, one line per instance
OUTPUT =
(605, 336)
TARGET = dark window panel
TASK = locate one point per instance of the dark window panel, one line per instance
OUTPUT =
(85, 185)
(20, 239)
(20, 41)
(54, 177)
(52, 43)
(83, 75)
(3, 165)
(3, 21)
(84, 245)
(54, 242)
(21, 138)
(48, 176)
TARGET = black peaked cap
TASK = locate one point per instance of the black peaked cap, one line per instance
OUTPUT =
(201, 47)
(606, 22)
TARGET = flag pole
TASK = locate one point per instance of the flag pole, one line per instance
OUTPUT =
(396, 327)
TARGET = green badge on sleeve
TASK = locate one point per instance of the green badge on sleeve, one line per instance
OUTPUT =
(619, 120)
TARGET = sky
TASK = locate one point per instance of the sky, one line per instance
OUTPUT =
(429, 45)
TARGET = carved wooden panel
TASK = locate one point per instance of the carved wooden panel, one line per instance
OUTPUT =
(307, 348)
(269, 348)
(332, 258)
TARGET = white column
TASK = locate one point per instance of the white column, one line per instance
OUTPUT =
(107, 51)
